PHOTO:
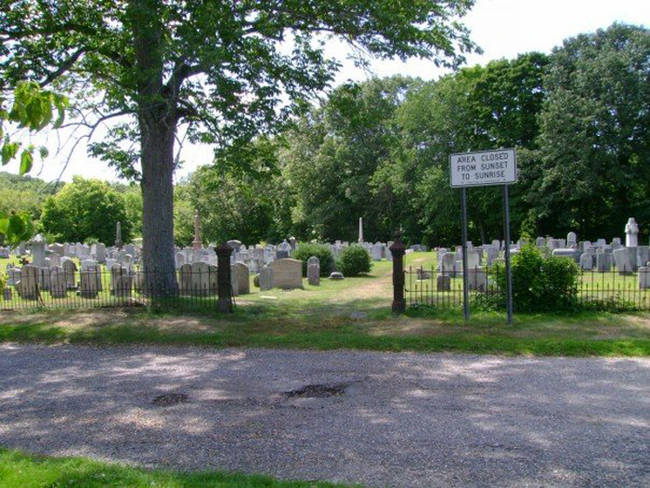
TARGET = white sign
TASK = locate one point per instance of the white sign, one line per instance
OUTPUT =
(498, 167)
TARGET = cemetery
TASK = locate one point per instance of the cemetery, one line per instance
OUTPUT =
(610, 274)
(324, 244)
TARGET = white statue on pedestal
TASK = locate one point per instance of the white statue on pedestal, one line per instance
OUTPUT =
(631, 233)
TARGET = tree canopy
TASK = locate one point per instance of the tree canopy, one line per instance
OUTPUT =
(85, 210)
(219, 70)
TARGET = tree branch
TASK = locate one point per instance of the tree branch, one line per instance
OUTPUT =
(65, 66)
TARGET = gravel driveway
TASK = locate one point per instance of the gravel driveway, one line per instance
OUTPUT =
(382, 419)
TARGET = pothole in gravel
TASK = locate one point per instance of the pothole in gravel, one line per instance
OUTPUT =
(169, 399)
(317, 391)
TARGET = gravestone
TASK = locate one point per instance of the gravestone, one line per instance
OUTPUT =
(287, 273)
(139, 282)
(27, 287)
(644, 278)
(603, 262)
(58, 284)
(200, 279)
(616, 243)
(100, 252)
(69, 269)
(571, 240)
(491, 254)
(623, 260)
(13, 275)
(44, 277)
(57, 248)
(121, 281)
(90, 278)
(266, 278)
(443, 282)
(234, 244)
(213, 279)
(180, 260)
(473, 259)
(313, 271)
(336, 275)
(587, 261)
(377, 251)
(642, 255)
(446, 263)
(283, 251)
(185, 279)
(38, 244)
(565, 253)
(54, 260)
(477, 279)
(241, 276)
(234, 281)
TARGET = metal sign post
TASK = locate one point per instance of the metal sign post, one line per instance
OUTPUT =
(484, 168)
(506, 231)
(463, 211)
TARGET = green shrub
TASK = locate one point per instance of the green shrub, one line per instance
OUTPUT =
(321, 251)
(353, 261)
(540, 284)
(3, 282)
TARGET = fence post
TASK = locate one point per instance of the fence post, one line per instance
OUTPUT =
(398, 250)
(224, 284)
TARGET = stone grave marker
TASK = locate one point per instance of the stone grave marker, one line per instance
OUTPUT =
(185, 279)
(625, 260)
(91, 280)
(121, 281)
(69, 269)
(586, 261)
(266, 278)
(313, 271)
(287, 273)
(603, 262)
(27, 287)
(241, 271)
(200, 279)
(58, 284)
(644, 278)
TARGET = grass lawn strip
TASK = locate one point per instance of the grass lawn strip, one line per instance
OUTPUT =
(18, 470)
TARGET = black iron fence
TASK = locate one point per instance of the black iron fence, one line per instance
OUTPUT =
(612, 289)
(38, 288)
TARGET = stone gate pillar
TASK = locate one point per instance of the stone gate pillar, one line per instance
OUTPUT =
(398, 250)
(224, 282)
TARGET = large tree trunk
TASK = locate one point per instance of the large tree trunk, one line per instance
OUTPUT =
(157, 122)
(158, 213)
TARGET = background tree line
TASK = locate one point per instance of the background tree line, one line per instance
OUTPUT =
(578, 117)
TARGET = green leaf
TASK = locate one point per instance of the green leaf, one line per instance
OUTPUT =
(4, 225)
(26, 160)
(16, 225)
(9, 150)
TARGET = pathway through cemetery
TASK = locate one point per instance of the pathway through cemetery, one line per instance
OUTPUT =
(381, 419)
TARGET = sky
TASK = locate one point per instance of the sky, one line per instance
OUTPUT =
(502, 28)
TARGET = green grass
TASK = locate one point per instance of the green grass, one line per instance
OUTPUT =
(587, 334)
(18, 470)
